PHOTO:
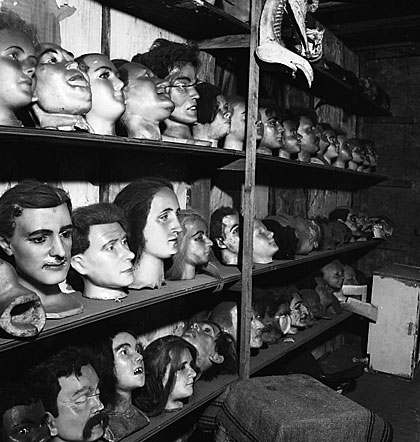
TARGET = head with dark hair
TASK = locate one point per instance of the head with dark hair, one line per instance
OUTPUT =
(136, 200)
(164, 56)
(22, 416)
(67, 382)
(194, 246)
(273, 129)
(170, 369)
(119, 346)
(216, 349)
(207, 103)
(94, 214)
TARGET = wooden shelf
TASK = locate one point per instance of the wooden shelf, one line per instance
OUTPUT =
(203, 393)
(276, 351)
(95, 311)
(193, 19)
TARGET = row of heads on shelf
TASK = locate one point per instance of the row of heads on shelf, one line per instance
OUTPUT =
(110, 386)
(139, 241)
(156, 95)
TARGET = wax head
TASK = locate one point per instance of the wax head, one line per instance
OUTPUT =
(42, 213)
(333, 274)
(17, 66)
(264, 246)
(61, 87)
(108, 102)
(273, 128)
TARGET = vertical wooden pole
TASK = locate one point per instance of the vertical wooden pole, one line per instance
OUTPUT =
(249, 197)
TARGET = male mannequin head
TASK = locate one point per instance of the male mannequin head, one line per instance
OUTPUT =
(328, 143)
(264, 246)
(107, 96)
(147, 104)
(100, 251)
(17, 66)
(272, 139)
(68, 386)
(177, 63)
(291, 138)
(213, 114)
(225, 233)
(35, 231)
(344, 152)
(22, 417)
(356, 162)
(333, 274)
(307, 129)
(236, 138)
(216, 349)
(62, 95)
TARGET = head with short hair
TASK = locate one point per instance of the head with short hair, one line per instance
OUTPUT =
(162, 361)
(28, 194)
(94, 214)
(135, 200)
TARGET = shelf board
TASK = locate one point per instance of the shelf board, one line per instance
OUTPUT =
(193, 19)
(203, 393)
(95, 310)
(276, 351)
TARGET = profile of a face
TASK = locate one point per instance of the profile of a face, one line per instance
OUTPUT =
(235, 139)
(291, 140)
(61, 87)
(333, 145)
(182, 80)
(264, 246)
(107, 96)
(17, 69)
(194, 244)
(183, 387)
(344, 152)
(146, 101)
(25, 423)
(230, 241)
(106, 265)
(80, 416)
(273, 131)
(309, 142)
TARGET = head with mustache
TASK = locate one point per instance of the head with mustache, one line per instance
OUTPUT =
(69, 388)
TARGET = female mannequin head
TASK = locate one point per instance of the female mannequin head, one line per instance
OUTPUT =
(170, 372)
(177, 63)
(147, 104)
(151, 207)
(264, 245)
(119, 364)
(213, 114)
(62, 94)
(344, 152)
(35, 231)
(17, 66)
(107, 96)
(194, 246)
(272, 139)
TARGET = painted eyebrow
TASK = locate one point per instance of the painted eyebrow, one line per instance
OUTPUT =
(19, 48)
(68, 227)
(50, 50)
(124, 344)
(40, 232)
(82, 390)
(199, 232)
(107, 68)
(234, 227)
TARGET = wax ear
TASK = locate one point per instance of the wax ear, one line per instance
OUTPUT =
(5, 245)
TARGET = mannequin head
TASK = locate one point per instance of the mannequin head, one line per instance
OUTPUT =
(194, 246)
(358, 157)
(21, 311)
(235, 139)
(100, 252)
(213, 114)
(225, 226)
(225, 314)
(344, 152)
(291, 137)
(17, 66)
(22, 417)
(177, 63)
(347, 216)
(216, 349)
(170, 366)
(310, 142)
(333, 274)
(272, 139)
(35, 220)
(147, 103)
(328, 143)
(372, 153)
(107, 96)
(69, 388)
(61, 87)
(264, 246)
(151, 207)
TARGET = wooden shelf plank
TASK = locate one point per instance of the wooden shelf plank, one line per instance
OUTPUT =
(203, 393)
(193, 19)
(95, 311)
(277, 351)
